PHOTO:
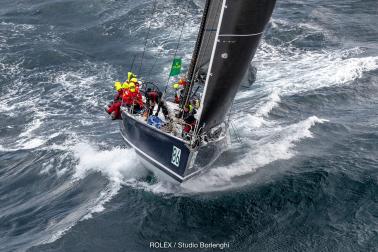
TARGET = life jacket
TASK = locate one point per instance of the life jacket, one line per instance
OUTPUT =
(139, 99)
(131, 98)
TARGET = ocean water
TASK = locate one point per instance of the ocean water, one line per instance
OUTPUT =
(300, 174)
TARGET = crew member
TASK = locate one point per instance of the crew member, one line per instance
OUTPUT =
(125, 86)
(189, 119)
(179, 87)
(136, 83)
(195, 103)
(119, 88)
(154, 97)
(132, 98)
(113, 108)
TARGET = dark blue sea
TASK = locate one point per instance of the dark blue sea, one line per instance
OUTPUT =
(301, 170)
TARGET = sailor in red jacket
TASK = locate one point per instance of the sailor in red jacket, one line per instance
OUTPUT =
(152, 98)
(133, 98)
(113, 109)
(155, 97)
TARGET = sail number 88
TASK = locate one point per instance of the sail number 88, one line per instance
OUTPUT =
(176, 155)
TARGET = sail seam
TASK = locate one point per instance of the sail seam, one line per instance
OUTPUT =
(240, 35)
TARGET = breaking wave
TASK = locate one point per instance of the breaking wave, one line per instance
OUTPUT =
(119, 165)
(278, 143)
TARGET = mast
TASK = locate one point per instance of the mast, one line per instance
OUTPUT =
(204, 43)
(198, 43)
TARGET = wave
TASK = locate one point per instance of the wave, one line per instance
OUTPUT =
(295, 71)
(116, 164)
(277, 144)
(48, 107)
(119, 165)
(287, 71)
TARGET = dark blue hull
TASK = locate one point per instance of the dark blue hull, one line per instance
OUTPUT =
(169, 154)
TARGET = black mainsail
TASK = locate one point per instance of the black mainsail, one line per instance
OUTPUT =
(230, 37)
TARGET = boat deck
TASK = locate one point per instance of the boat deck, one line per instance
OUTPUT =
(173, 128)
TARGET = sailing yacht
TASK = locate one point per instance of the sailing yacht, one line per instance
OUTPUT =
(228, 38)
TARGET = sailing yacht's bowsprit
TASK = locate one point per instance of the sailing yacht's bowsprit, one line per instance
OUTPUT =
(228, 38)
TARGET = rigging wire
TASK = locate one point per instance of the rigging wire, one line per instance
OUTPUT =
(177, 47)
(159, 54)
(147, 37)
(236, 132)
(132, 63)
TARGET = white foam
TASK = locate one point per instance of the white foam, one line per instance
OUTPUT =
(293, 71)
(72, 83)
(120, 166)
(266, 108)
(18, 27)
(116, 164)
(254, 117)
(277, 144)
(32, 126)
(288, 71)
(2, 148)
(74, 80)
(32, 143)
(27, 139)
(105, 196)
